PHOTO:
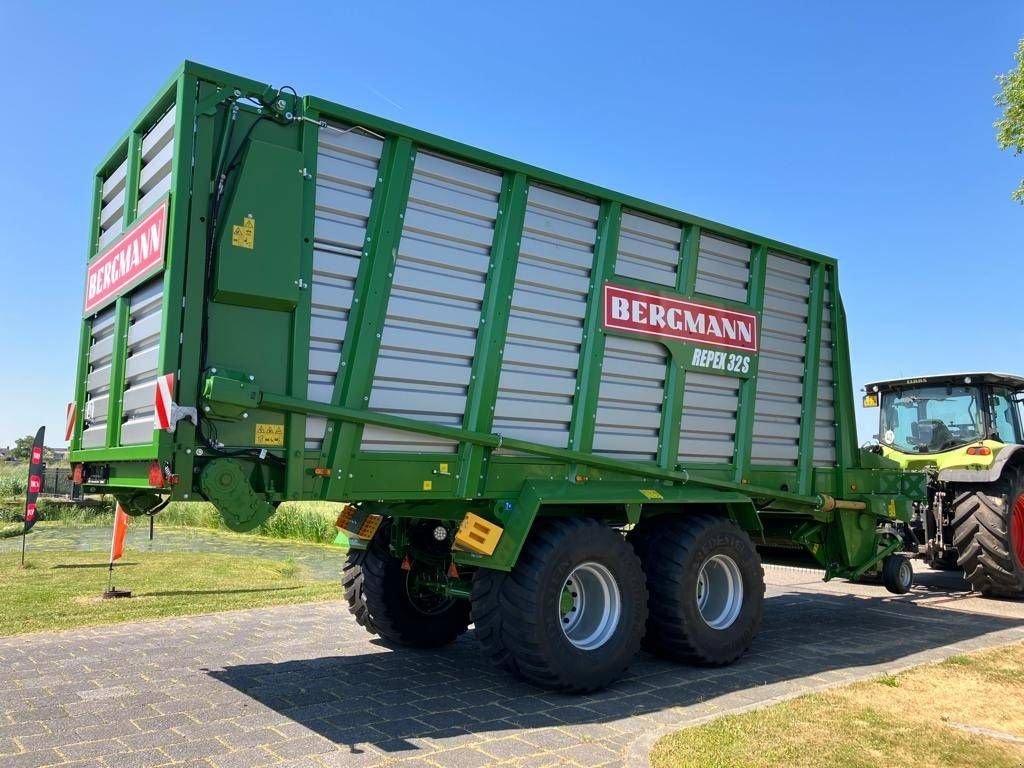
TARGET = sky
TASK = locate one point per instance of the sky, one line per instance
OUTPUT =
(863, 132)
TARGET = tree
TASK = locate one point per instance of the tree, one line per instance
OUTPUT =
(23, 447)
(1010, 127)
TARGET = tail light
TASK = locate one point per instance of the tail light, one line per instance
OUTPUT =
(156, 475)
(979, 450)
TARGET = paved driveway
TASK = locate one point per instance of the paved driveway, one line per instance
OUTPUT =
(304, 686)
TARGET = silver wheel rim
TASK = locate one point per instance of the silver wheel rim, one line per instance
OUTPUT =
(719, 591)
(590, 606)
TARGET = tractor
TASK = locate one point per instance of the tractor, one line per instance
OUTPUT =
(965, 430)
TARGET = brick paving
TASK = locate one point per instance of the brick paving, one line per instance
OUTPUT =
(304, 686)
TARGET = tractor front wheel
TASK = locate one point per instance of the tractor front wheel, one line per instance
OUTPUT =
(988, 531)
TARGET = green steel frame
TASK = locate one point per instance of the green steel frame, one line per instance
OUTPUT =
(794, 502)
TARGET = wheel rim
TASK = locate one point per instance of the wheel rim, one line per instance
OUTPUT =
(906, 573)
(590, 606)
(1017, 530)
(719, 591)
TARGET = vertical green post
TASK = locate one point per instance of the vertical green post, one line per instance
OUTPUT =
(591, 362)
(369, 310)
(745, 407)
(295, 430)
(115, 400)
(85, 330)
(490, 338)
(188, 255)
(675, 376)
(846, 434)
(809, 397)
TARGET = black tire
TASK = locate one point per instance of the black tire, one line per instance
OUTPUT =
(378, 596)
(987, 521)
(673, 551)
(897, 574)
(519, 615)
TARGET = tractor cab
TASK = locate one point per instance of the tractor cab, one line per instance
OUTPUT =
(948, 420)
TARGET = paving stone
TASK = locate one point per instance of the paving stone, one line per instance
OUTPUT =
(250, 757)
(462, 757)
(86, 749)
(196, 749)
(142, 758)
(508, 748)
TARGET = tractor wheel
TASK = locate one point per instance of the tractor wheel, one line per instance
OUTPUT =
(571, 613)
(387, 600)
(988, 531)
(897, 574)
(706, 586)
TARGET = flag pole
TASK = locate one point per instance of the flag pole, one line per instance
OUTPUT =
(36, 468)
(116, 550)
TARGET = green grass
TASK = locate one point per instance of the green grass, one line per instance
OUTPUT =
(921, 717)
(60, 590)
(311, 521)
(12, 479)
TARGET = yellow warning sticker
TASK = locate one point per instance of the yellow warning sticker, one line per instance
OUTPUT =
(650, 493)
(244, 236)
(270, 434)
(428, 485)
(892, 508)
(442, 468)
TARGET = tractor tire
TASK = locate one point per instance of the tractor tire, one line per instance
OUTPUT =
(381, 598)
(706, 588)
(570, 615)
(988, 532)
(897, 574)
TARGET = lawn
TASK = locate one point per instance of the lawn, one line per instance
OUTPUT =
(967, 711)
(59, 590)
(311, 521)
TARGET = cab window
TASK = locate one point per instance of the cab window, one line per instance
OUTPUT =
(1004, 415)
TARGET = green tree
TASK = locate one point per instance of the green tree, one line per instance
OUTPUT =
(1010, 127)
(23, 447)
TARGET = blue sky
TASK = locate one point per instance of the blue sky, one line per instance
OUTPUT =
(864, 133)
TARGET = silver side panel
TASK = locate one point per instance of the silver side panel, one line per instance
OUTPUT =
(648, 249)
(780, 377)
(426, 354)
(630, 397)
(140, 367)
(97, 386)
(825, 413)
(708, 429)
(723, 268)
(549, 301)
(112, 205)
(345, 179)
(157, 154)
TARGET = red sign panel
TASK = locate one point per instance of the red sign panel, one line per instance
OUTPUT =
(649, 314)
(136, 255)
